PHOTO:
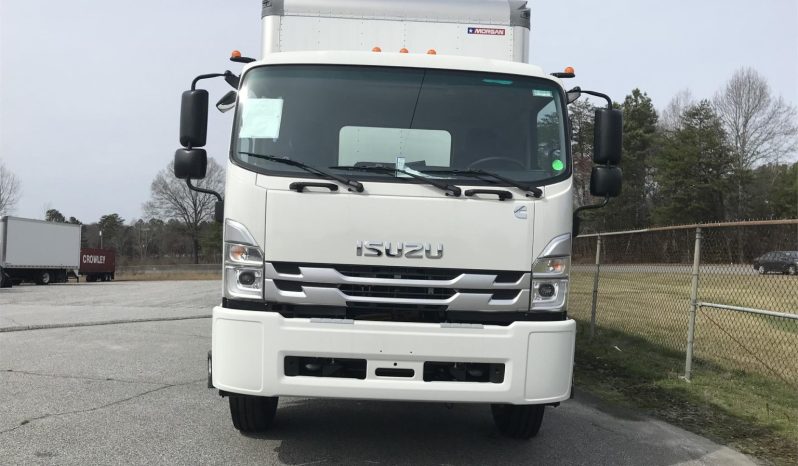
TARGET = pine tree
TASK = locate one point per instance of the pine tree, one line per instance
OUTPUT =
(693, 170)
(640, 135)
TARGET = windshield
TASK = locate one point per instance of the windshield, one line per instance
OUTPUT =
(425, 120)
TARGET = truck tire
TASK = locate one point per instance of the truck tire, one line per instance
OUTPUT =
(44, 278)
(252, 413)
(518, 421)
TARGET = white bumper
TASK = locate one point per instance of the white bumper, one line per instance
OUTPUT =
(249, 349)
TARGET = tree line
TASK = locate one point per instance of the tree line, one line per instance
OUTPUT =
(178, 228)
(728, 158)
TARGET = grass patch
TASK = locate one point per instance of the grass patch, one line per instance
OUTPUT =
(655, 306)
(749, 412)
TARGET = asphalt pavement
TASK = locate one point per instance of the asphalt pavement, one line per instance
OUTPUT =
(121, 392)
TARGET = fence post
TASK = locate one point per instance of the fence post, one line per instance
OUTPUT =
(595, 289)
(688, 363)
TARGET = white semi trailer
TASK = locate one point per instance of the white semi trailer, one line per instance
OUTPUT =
(398, 210)
(37, 251)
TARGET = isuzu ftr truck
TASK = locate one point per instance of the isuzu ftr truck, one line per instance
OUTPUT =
(398, 210)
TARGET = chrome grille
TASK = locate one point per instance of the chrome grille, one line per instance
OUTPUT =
(352, 285)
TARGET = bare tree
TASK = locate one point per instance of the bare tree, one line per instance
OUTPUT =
(671, 118)
(9, 190)
(761, 127)
(171, 199)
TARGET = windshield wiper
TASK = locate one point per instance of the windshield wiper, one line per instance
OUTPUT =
(536, 192)
(450, 190)
(353, 185)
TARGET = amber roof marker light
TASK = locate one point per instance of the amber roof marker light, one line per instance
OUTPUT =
(236, 56)
(403, 50)
(376, 49)
(431, 52)
(567, 73)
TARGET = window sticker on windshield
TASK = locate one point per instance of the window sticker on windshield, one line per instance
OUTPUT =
(261, 118)
(540, 93)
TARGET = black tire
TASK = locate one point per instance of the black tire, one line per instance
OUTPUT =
(518, 421)
(44, 278)
(252, 414)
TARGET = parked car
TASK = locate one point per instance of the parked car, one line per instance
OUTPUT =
(777, 261)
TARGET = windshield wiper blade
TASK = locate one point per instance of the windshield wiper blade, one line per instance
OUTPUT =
(353, 185)
(536, 192)
(449, 189)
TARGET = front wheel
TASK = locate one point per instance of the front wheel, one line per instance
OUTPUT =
(518, 421)
(252, 414)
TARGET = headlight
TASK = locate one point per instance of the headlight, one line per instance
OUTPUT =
(552, 267)
(243, 263)
(241, 254)
(550, 283)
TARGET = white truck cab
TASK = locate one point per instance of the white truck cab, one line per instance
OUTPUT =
(397, 210)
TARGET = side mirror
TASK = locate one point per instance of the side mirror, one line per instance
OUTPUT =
(605, 181)
(190, 163)
(194, 118)
(608, 136)
(227, 102)
(573, 94)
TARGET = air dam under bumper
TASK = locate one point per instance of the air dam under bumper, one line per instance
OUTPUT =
(249, 350)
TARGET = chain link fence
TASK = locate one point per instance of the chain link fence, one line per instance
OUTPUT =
(724, 294)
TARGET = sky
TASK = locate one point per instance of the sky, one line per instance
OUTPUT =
(90, 89)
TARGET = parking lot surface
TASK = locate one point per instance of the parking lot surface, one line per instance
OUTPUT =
(134, 393)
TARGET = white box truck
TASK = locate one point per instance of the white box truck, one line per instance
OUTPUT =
(398, 210)
(37, 251)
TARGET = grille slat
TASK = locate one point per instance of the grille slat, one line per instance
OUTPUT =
(398, 273)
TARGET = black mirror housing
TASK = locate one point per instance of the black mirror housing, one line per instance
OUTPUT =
(606, 181)
(227, 102)
(218, 211)
(191, 163)
(608, 136)
(194, 118)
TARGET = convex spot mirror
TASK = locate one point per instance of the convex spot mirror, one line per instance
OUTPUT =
(608, 136)
(573, 95)
(191, 163)
(227, 102)
(606, 181)
(194, 118)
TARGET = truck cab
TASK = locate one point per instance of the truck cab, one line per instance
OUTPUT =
(397, 212)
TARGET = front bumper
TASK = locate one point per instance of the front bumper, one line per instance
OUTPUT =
(249, 349)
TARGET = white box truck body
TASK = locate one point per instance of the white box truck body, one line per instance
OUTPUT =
(398, 212)
(38, 251)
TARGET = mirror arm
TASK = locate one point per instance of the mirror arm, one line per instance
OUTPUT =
(208, 76)
(577, 220)
(592, 206)
(599, 94)
(203, 190)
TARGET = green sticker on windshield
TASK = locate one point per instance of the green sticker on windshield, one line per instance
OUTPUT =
(557, 165)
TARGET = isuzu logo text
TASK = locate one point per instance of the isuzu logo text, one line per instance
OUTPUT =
(398, 249)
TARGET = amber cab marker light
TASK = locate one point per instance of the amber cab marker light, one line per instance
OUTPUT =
(569, 70)
(376, 49)
(431, 52)
(235, 54)
(403, 50)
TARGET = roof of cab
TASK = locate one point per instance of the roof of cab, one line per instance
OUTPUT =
(411, 60)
